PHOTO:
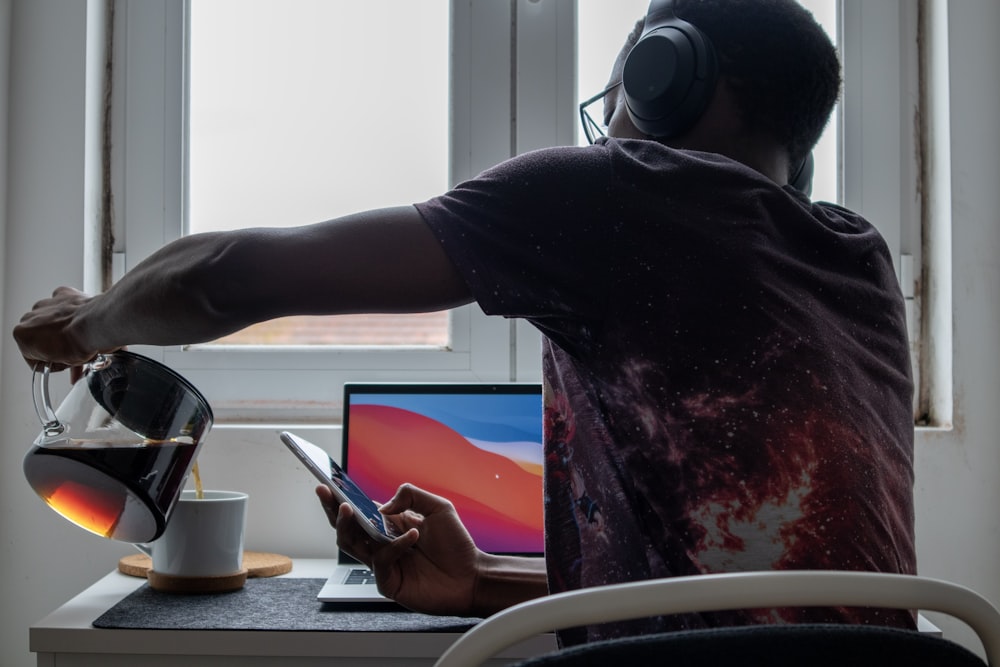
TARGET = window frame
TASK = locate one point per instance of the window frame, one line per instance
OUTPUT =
(505, 58)
(300, 382)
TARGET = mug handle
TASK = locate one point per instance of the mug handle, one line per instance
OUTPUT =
(51, 425)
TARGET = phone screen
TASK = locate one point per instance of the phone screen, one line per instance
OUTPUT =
(327, 470)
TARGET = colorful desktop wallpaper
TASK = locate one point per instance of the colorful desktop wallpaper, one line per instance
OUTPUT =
(482, 452)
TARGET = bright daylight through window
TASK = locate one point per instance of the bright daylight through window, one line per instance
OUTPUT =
(291, 122)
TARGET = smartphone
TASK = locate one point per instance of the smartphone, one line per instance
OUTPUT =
(344, 490)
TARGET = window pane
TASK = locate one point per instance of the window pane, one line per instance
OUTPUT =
(826, 179)
(602, 29)
(305, 110)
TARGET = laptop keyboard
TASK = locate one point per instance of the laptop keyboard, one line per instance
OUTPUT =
(360, 576)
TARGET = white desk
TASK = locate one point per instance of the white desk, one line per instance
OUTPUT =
(67, 638)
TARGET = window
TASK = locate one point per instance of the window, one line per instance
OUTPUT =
(301, 381)
(516, 72)
(285, 102)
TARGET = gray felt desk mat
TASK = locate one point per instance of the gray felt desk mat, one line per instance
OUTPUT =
(287, 603)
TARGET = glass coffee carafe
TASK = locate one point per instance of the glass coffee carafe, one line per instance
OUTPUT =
(115, 455)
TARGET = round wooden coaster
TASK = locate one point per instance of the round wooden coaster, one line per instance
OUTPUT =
(260, 564)
(166, 583)
(256, 563)
(136, 565)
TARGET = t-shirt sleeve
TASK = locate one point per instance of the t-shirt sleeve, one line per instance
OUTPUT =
(531, 236)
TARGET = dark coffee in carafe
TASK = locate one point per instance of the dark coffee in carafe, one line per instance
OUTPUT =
(115, 456)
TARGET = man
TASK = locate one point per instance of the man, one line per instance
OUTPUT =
(726, 366)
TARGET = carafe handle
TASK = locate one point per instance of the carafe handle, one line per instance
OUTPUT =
(51, 425)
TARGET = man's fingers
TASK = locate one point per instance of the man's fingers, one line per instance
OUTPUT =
(351, 538)
(414, 499)
(328, 502)
(384, 562)
(405, 520)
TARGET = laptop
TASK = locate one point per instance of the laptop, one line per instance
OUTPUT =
(479, 445)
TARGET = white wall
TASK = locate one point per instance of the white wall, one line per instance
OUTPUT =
(4, 71)
(45, 561)
(44, 196)
(958, 473)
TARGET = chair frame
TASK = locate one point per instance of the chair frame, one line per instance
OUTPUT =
(717, 592)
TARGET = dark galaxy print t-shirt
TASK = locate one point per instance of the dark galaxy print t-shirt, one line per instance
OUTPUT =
(726, 369)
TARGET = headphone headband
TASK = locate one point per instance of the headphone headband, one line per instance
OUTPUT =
(659, 11)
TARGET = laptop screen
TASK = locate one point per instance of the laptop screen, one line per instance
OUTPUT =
(478, 445)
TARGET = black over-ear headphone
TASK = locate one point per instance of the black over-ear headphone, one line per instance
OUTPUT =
(669, 77)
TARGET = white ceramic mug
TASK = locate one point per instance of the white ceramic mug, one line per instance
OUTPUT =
(203, 538)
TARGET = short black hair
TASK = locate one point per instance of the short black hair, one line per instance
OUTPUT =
(777, 60)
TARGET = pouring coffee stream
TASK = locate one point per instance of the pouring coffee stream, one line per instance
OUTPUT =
(199, 490)
(114, 457)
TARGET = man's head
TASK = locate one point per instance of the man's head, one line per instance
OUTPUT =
(777, 67)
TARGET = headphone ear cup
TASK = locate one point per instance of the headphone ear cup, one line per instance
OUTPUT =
(802, 178)
(668, 78)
